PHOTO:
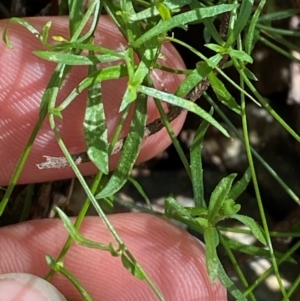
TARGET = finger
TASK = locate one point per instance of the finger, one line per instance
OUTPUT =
(172, 258)
(23, 81)
(27, 287)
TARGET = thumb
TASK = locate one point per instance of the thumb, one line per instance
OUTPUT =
(27, 287)
(23, 81)
(173, 259)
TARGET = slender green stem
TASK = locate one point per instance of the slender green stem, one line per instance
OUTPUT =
(255, 184)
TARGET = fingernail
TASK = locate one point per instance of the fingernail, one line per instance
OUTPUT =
(27, 287)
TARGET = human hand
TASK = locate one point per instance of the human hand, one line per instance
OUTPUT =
(173, 259)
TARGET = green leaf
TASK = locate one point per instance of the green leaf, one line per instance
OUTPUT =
(130, 151)
(231, 287)
(250, 34)
(218, 196)
(183, 103)
(141, 191)
(239, 187)
(45, 32)
(223, 94)
(196, 164)
(22, 22)
(212, 31)
(172, 5)
(95, 128)
(250, 74)
(74, 59)
(203, 222)
(76, 236)
(137, 79)
(132, 267)
(75, 15)
(194, 78)
(215, 47)
(253, 226)
(79, 24)
(182, 19)
(245, 12)
(172, 206)
(164, 11)
(240, 55)
(112, 72)
(212, 262)
(214, 60)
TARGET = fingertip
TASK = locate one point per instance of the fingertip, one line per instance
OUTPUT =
(27, 287)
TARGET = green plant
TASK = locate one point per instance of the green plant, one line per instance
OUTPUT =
(145, 27)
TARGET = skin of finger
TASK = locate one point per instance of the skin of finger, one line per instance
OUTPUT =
(23, 79)
(172, 258)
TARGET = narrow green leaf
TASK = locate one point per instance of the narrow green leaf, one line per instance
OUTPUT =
(194, 78)
(112, 72)
(95, 128)
(75, 15)
(76, 236)
(214, 60)
(215, 47)
(223, 94)
(93, 11)
(182, 19)
(240, 55)
(137, 79)
(253, 226)
(249, 39)
(245, 11)
(172, 5)
(141, 191)
(250, 74)
(196, 164)
(74, 59)
(211, 29)
(183, 103)
(45, 32)
(239, 187)
(22, 22)
(231, 287)
(164, 11)
(212, 262)
(130, 151)
(218, 196)
(132, 267)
